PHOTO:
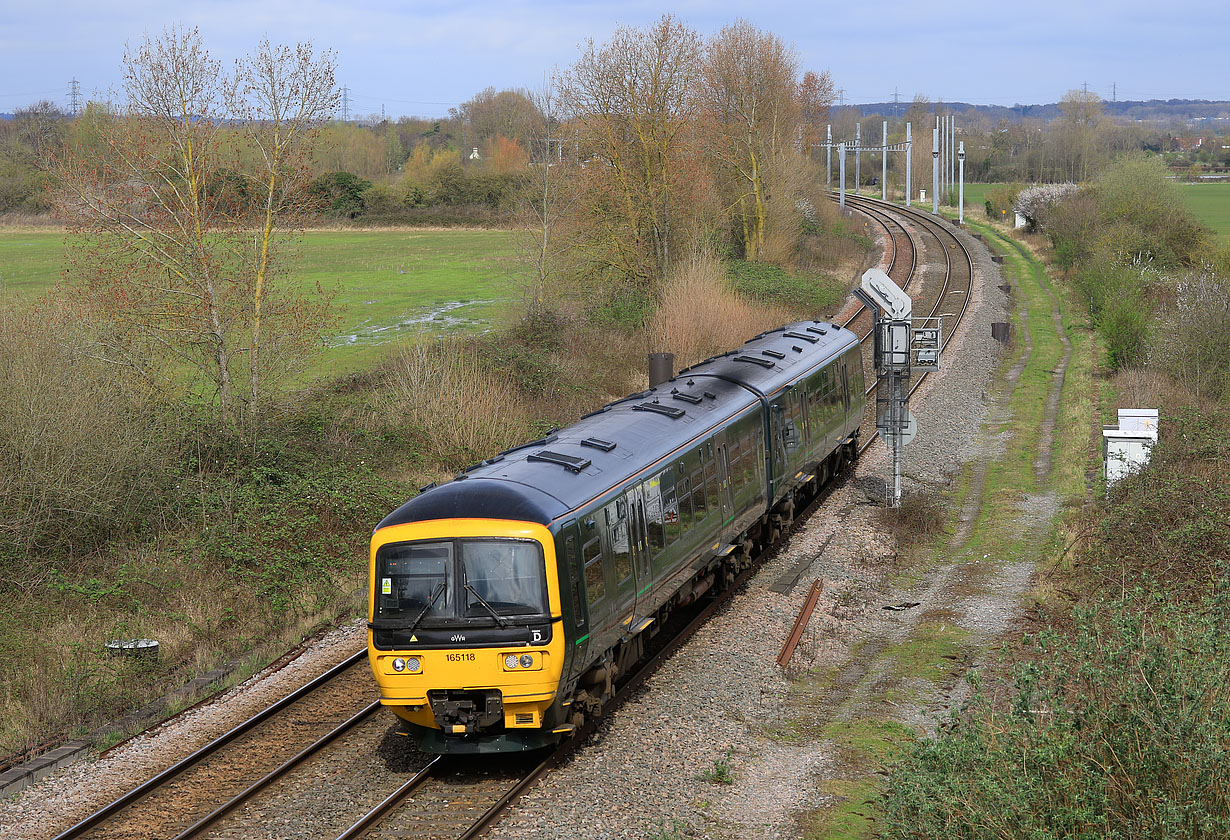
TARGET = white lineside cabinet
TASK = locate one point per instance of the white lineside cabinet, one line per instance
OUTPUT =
(1126, 447)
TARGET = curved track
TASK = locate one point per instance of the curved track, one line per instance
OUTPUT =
(941, 295)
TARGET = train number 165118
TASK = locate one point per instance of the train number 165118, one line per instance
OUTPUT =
(459, 657)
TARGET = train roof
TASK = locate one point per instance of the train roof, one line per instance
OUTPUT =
(546, 479)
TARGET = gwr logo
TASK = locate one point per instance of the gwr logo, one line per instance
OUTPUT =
(458, 637)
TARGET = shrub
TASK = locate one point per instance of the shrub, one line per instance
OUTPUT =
(340, 193)
(920, 517)
(701, 315)
(767, 284)
(1193, 343)
(1117, 730)
(1035, 202)
(452, 404)
(84, 450)
(1000, 199)
(1124, 324)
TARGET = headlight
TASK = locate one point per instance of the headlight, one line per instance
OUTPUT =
(527, 661)
(413, 664)
(510, 661)
(399, 665)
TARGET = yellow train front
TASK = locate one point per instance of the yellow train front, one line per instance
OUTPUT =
(465, 638)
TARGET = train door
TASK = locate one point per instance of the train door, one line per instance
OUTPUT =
(572, 568)
(642, 559)
(618, 526)
(726, 497)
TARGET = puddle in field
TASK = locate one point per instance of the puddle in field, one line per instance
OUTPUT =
(436, 318)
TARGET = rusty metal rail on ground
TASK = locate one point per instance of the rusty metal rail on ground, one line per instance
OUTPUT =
(800, 623)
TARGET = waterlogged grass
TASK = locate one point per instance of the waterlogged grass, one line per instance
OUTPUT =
(388, 284)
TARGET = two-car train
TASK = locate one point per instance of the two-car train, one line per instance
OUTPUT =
(505, 604)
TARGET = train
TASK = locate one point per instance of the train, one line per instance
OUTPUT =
(505, 604)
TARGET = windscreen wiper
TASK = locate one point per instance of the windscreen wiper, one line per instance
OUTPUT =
(499, 619)
(410, 628)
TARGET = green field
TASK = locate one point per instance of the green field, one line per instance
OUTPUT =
(388, 283)
(1211, 205)
(976, 194)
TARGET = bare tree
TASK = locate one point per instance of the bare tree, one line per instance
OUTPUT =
(544, 244)
(1082, 115)
(750, 83)
(634, 106)
(286, 94)
(816, 97)
(180, 221)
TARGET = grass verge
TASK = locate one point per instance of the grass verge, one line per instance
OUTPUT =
(1015, 524)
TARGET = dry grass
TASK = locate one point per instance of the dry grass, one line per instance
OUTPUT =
(920, 518)
(701, 316)
(453, 403)
(29, 223)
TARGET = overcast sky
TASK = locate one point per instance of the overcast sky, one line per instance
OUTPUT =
(421, 57)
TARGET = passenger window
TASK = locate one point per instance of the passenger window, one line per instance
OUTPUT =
(698, 496)
(670, 512)
(654, 515)
(595, 583)
(736, 465)
(711, 485)
(685, 505)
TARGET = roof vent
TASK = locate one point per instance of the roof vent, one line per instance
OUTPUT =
(570, 462)
(598, 443)
(803, 336)
(658, 408)
(817, 331)
(687, 398)
(774, 353)
(764, 363)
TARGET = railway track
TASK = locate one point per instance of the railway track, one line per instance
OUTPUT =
(208, 792)
(241, 762)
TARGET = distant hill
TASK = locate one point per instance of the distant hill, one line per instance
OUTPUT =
(1162, 110)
